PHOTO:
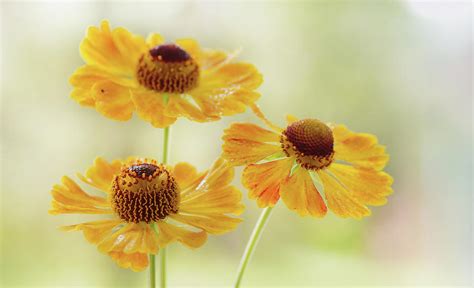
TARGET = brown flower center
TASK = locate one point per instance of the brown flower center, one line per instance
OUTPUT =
(310, 141)
(144, 192)
(168, 68)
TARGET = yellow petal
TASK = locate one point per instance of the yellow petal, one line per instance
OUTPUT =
(185, 174)
(299, 194)
(135, 261)
(211, 59)
(117, 51)
(154, 39)
(85, 77)
(291, 118)
(360, 149)
(339, 200)
(150, 107)
(131, 238)
(101, 174)
(247, 143)
(70, 198)
(211, 223)
(263, 180)
(94, 231)
(112, 100)
(169, 233)
(368, 186)
(178, 105)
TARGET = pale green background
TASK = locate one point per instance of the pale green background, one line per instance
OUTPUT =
(400, 70)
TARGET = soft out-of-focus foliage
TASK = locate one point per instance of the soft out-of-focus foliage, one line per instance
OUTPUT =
(400, 70)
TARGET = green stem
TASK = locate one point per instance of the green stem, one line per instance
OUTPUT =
(256, 233)
(164, 160)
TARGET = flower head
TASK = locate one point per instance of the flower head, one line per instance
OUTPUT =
(307, 159)
(149, 206)
(160, 81)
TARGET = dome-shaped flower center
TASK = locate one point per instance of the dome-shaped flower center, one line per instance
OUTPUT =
(144, 192)
(310, 141)
(168, 68)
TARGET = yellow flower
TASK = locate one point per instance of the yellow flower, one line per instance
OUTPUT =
(149, 206)
(160, 81)
(307, 158)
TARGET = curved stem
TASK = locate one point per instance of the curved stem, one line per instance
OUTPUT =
(256, 233)
(164, 160)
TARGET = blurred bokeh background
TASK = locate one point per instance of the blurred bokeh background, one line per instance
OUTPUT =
(398, 69)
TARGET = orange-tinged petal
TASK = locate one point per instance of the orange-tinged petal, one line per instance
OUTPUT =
(131, 238)
(169, 233)
(101, 174)
(95, 231)
(151, 107)
(223, 200)
(360, 149)
(339, 200)
(247, 143)
(232, 75)
(368, 186)
(117, 51)
(299, 194)
(154, 39)
(181, 105)
(211, 223)
(135, 261)
(70, 198)
(263, 180)
(112, 100)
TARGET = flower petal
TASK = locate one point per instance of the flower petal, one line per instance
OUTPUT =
(117, 51)
(84, 78)
(185, 174)
(207, 204)
(112, 100)
(169, 233)
(70, 198)
(181, 105)
(360, 149)
(340, 201)
(263, 180)
(101, 174)
(368, 186)
(131, 238)
(246, 143)
(135, 261)
(150, 107)
(299, 194)
(95, 231)
(191, 46)
(154, 39)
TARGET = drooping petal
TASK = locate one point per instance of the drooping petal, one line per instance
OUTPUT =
(263, 180)
(117, 51)
(208, 204)
(69, 198)
(248, 143)
(95, 231)
(170, 233)
(299, 194)
(85, 77)
(360, 149)
(112, 100)
(131, 238)
(368, 186)
(339, 200)
(151, 107)
(135, 261)
(101, 174)
(227, 90)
